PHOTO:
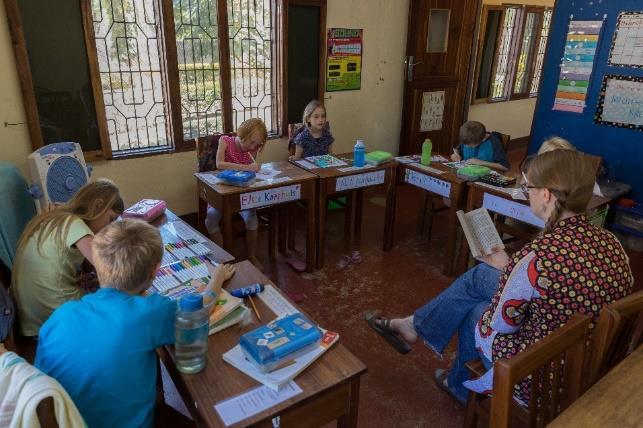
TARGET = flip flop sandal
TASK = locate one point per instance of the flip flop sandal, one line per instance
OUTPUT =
(296, 264)
(441, 380)
(343, 262)
(383, 328)
(356, 257)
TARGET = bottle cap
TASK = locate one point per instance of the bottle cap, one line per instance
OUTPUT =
(191, 303)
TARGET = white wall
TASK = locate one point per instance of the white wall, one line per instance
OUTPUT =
(373, 113)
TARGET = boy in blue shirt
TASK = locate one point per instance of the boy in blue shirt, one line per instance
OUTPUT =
(477, 147)
(102, 348)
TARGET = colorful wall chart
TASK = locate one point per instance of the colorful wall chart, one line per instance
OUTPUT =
(627, 44)
(344, 59)
(577, 65)
(621, 102)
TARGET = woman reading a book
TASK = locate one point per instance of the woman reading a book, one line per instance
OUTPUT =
(506, 303)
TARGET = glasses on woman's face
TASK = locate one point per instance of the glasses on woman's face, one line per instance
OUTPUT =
(524, 187)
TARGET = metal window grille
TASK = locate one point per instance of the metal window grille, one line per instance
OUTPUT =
(525, 56)
(540, 55)
(132, 74)
(502, 73)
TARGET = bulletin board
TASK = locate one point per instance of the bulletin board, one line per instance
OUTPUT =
(344, 59)
(619, 144)
(620, 102)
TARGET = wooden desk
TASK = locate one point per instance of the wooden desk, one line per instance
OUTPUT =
(498, 200)
(334, 180)
(170, 226)
(614, 401)
(330, 385)
(228, 200)
(437, 179)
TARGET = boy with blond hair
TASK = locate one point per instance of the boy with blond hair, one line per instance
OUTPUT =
(479, 147)
(102, 348)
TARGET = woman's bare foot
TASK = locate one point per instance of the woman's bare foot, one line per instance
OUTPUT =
(404, 326)
(255, 261)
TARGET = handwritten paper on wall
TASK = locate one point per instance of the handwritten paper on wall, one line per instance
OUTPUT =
(627, 44)
(620, 102)
(432, 111)
(577, 65)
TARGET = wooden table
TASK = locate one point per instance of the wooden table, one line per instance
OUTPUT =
(330, 385)
(343, 179)
(170, 226)
(614, 401)
(499, 200)
(436, 179)
(301, 185)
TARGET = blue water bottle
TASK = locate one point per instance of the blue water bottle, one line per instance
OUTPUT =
(358, 153)
(191, 334)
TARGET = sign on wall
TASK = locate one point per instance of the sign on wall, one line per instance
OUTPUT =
(432, 111)
(620, 102)
(344, 59)
(627, 44)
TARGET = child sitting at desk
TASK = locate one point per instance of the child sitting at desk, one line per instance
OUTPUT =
(239, 153)
(478, 147)
(102, 348)
(315, 139)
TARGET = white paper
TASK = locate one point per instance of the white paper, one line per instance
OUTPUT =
(354, 168)
(276, 302)
(184, 231)
(627, 47)
(432, 111)
(511, 209)
(405, 159)
(208, 177)
(270, 181)
(253, 402)
(427, 182)
(360, 180)
(272, 196)
(267, 172)
(439, 158)
(305, 164)
(514, 192)
(330, 161)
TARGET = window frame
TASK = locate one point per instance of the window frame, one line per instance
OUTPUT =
(516, 44)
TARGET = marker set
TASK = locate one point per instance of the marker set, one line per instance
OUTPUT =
(187, 248)
(179, 272)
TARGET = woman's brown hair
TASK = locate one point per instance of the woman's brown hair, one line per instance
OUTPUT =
(90, 202)
(568, 175)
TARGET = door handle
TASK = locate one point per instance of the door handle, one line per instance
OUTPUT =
(409, 68)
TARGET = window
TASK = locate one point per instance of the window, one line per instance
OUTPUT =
(141, 55)
(511, 52)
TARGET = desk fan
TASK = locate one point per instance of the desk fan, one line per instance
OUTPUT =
(57, 171)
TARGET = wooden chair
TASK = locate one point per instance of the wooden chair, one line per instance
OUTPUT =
(615, 335)
(293, 130)
(504, 139)
(206, 153)
(556, 366)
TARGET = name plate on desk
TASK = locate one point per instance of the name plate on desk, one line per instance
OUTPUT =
(427, 182)
(360, 180)
(276, 195)
(511, 209)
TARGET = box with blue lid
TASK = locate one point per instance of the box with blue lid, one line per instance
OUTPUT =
(236, 178)
(269, 346)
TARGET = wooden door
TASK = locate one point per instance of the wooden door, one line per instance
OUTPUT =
(438, 49)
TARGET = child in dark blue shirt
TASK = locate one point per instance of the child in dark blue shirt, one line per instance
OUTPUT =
(478, 147)
(315, 139)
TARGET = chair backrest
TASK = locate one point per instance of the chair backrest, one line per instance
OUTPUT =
(615, 335)
(206, 151)
(504, 139)
(555, 364)
(293, 130)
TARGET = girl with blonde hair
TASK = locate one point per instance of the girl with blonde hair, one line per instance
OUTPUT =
(52, 249)
(315, 138)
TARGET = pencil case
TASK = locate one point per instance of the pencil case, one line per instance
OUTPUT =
(270, 346)
(473, 172)
(377, 157)
(146, 209)
(236, 178)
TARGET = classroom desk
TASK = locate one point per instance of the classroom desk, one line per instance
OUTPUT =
(436, 179)
(330, 385)
(228, 200)
(338, 180)
(170, 226)
(498, 200)
(614, 401)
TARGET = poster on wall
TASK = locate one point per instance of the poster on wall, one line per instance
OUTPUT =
(627, 44)
(432, 111)
(620, 102)
(577, 65)
(344, 59)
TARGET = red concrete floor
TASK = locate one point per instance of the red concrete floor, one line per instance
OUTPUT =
(397, 390)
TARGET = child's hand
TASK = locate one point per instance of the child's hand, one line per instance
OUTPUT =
(220, 272)
(254, 167)
(455, 156)
(474, 161)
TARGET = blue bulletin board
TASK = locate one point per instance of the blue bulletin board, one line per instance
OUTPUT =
(620, 146)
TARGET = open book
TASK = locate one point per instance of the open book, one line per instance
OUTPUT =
(288, 371)
(480, 231)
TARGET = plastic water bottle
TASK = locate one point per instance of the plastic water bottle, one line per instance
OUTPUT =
(358, 153)
(191, 334)
(427, 146)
